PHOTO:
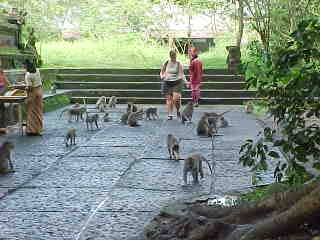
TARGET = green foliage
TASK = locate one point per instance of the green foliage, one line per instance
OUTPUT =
(55, 102)
(126, 51)
(293, 94)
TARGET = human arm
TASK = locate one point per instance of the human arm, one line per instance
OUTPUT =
(163, 70)
(28, 81)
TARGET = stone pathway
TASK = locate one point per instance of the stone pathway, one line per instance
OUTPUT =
(115, 179)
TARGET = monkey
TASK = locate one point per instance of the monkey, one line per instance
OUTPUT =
(193, 163)
(53, 89)
(101, 104)
(71, 136)
(106, 117)
(6, 165)
(132, 107)
(112, 102)
(134, 117)
(223, 122)
(92, 119)
(152, 112)
(187, 112)
(124, 117)
(74, 111)
(248, 108)
(173, 146)
(204, 128)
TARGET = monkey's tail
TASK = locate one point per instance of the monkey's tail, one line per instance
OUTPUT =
(209, 166)
(63, 111)
(221, 114)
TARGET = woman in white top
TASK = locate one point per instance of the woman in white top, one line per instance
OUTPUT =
(34, 100)
(173, 81)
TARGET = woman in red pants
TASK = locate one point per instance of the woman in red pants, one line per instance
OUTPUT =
(195, 73)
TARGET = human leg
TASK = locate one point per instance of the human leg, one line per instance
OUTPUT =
(169, 103)
(177, 102)
(195, 94)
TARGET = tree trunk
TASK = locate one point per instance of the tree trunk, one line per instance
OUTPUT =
(240, 23)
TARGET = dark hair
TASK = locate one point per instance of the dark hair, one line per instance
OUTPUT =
(30, 66)
(172, 53)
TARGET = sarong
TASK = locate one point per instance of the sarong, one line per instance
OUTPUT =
(34, 111)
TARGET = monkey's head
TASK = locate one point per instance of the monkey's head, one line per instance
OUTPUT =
(106, 115)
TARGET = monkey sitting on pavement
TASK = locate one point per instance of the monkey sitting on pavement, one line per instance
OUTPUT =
(204, 128)
(6, 165)
(101, 104)
(152, 112)
(70, 137)
(134, 117)
(112, 102)
(173, 146)
(92, 119)
(193, 164)
(187, 113)
(248, 108)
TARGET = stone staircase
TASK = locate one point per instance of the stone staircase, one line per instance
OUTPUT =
(143, 86)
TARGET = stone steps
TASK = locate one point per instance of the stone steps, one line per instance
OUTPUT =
(140, 85)
(149, 93)
(130, 71)
(161, 100)
(138, 78)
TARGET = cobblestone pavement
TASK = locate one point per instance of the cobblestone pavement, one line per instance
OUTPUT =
(115, 179)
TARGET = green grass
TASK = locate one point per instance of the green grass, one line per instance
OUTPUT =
(125, 51)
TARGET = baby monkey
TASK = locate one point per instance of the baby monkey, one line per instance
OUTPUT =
(70, 137)
(173, 146)
(193, 164)
(152, 112)
(187, 112)
(112, 102)
(6, 165)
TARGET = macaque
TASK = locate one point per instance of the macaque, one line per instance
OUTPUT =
(101, 104)
(173, 146)
(124, 118)
(6, 165)
(112, 102)
(70, 137)
(248, 108)
(134, 117)
(132, 107)
(152, 112)
(74, 111)
(93, 119)
(53, 89)
(223, 122)
(106, 117)
(193, 164)
(187, 112)
(204, 128)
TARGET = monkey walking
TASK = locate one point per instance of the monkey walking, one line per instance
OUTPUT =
(132, 107)
(70, 137)
(6, 164)
(101, 104)
(152, 112)
(75, 111)
(112, 102)
(187, 113)
(173, 146)
(193, 164)
(134, 117)
(93, 119)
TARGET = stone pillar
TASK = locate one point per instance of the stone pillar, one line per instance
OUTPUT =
(233, 59)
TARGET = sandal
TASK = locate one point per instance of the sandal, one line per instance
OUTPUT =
(178, 114)
(170, 117)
